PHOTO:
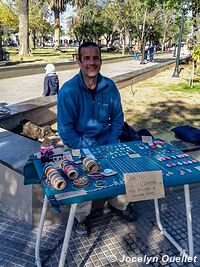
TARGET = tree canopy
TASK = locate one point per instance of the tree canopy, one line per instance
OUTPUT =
(118, 21)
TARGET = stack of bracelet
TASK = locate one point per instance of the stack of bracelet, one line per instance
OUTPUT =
(69, 170)
(90, 165)
(56, 180)
(80, 182)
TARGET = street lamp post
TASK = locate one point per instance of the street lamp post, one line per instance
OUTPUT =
(175, 47)
(176, 69)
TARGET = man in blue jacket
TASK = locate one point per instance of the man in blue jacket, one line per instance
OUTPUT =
(90, 114)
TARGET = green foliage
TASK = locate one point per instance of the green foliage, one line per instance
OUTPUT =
(88, 24)
(58, 4)
(196, 53)
(37, 21)
(185, 87)
(8, 15)
(108, 18)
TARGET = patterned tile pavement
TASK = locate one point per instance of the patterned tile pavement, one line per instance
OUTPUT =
(113, 242)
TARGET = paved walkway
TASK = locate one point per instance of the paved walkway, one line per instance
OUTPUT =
(112, 242)
(18, 89)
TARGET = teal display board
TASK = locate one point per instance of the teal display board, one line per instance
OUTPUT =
(177, 167)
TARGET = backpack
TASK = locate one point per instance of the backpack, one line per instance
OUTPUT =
(129, 134)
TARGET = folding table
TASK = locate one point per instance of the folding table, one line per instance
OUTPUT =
(148, 159)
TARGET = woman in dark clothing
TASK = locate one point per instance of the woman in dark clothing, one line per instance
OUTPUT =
(51, 82)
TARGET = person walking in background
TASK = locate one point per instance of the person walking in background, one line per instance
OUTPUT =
(51, 81)
(146, 49)
(151, 52)
(136, 51)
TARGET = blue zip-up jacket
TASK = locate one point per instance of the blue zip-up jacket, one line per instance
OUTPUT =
(84, 121)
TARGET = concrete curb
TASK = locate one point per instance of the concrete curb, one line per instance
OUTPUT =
(35, 68)
(140, 75)
(30, 69)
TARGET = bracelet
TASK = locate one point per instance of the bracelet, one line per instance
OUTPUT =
(80, 182)
(95, 175)
(100, 183)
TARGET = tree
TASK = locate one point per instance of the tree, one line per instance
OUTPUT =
(39, 26)
(167, 18)
(88, 23)
(8, 20)
(1, 48)
(131, 20)
(196, 19)
(8, 15)
(118, 12)
(23, 27)
(57, 6)
(108, 25)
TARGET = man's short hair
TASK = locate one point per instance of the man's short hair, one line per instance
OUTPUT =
(87, 44)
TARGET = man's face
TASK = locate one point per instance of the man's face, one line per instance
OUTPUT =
(90, 61)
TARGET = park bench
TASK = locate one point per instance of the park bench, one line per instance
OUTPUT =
(6, 55)
(75, 56)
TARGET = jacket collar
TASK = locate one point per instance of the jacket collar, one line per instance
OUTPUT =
(101, 82)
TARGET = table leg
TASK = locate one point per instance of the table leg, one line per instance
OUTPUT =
(189, 219)
(39, 234)
(163, 230)
(67, 235)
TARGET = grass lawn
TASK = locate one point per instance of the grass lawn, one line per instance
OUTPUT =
(162, 102)
(51, 55)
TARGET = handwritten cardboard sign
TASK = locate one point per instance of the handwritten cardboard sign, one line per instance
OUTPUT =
(144, 185)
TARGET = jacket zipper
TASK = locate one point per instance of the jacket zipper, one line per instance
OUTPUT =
(91, 98)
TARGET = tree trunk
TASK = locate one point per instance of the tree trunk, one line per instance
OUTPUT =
(57, 29)
(31, 45)
(1, 48)
(23, 28)
(196, 19)
(163, 41)
(191, 82)
(165, 30)
(123, 44)
(34, 39)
